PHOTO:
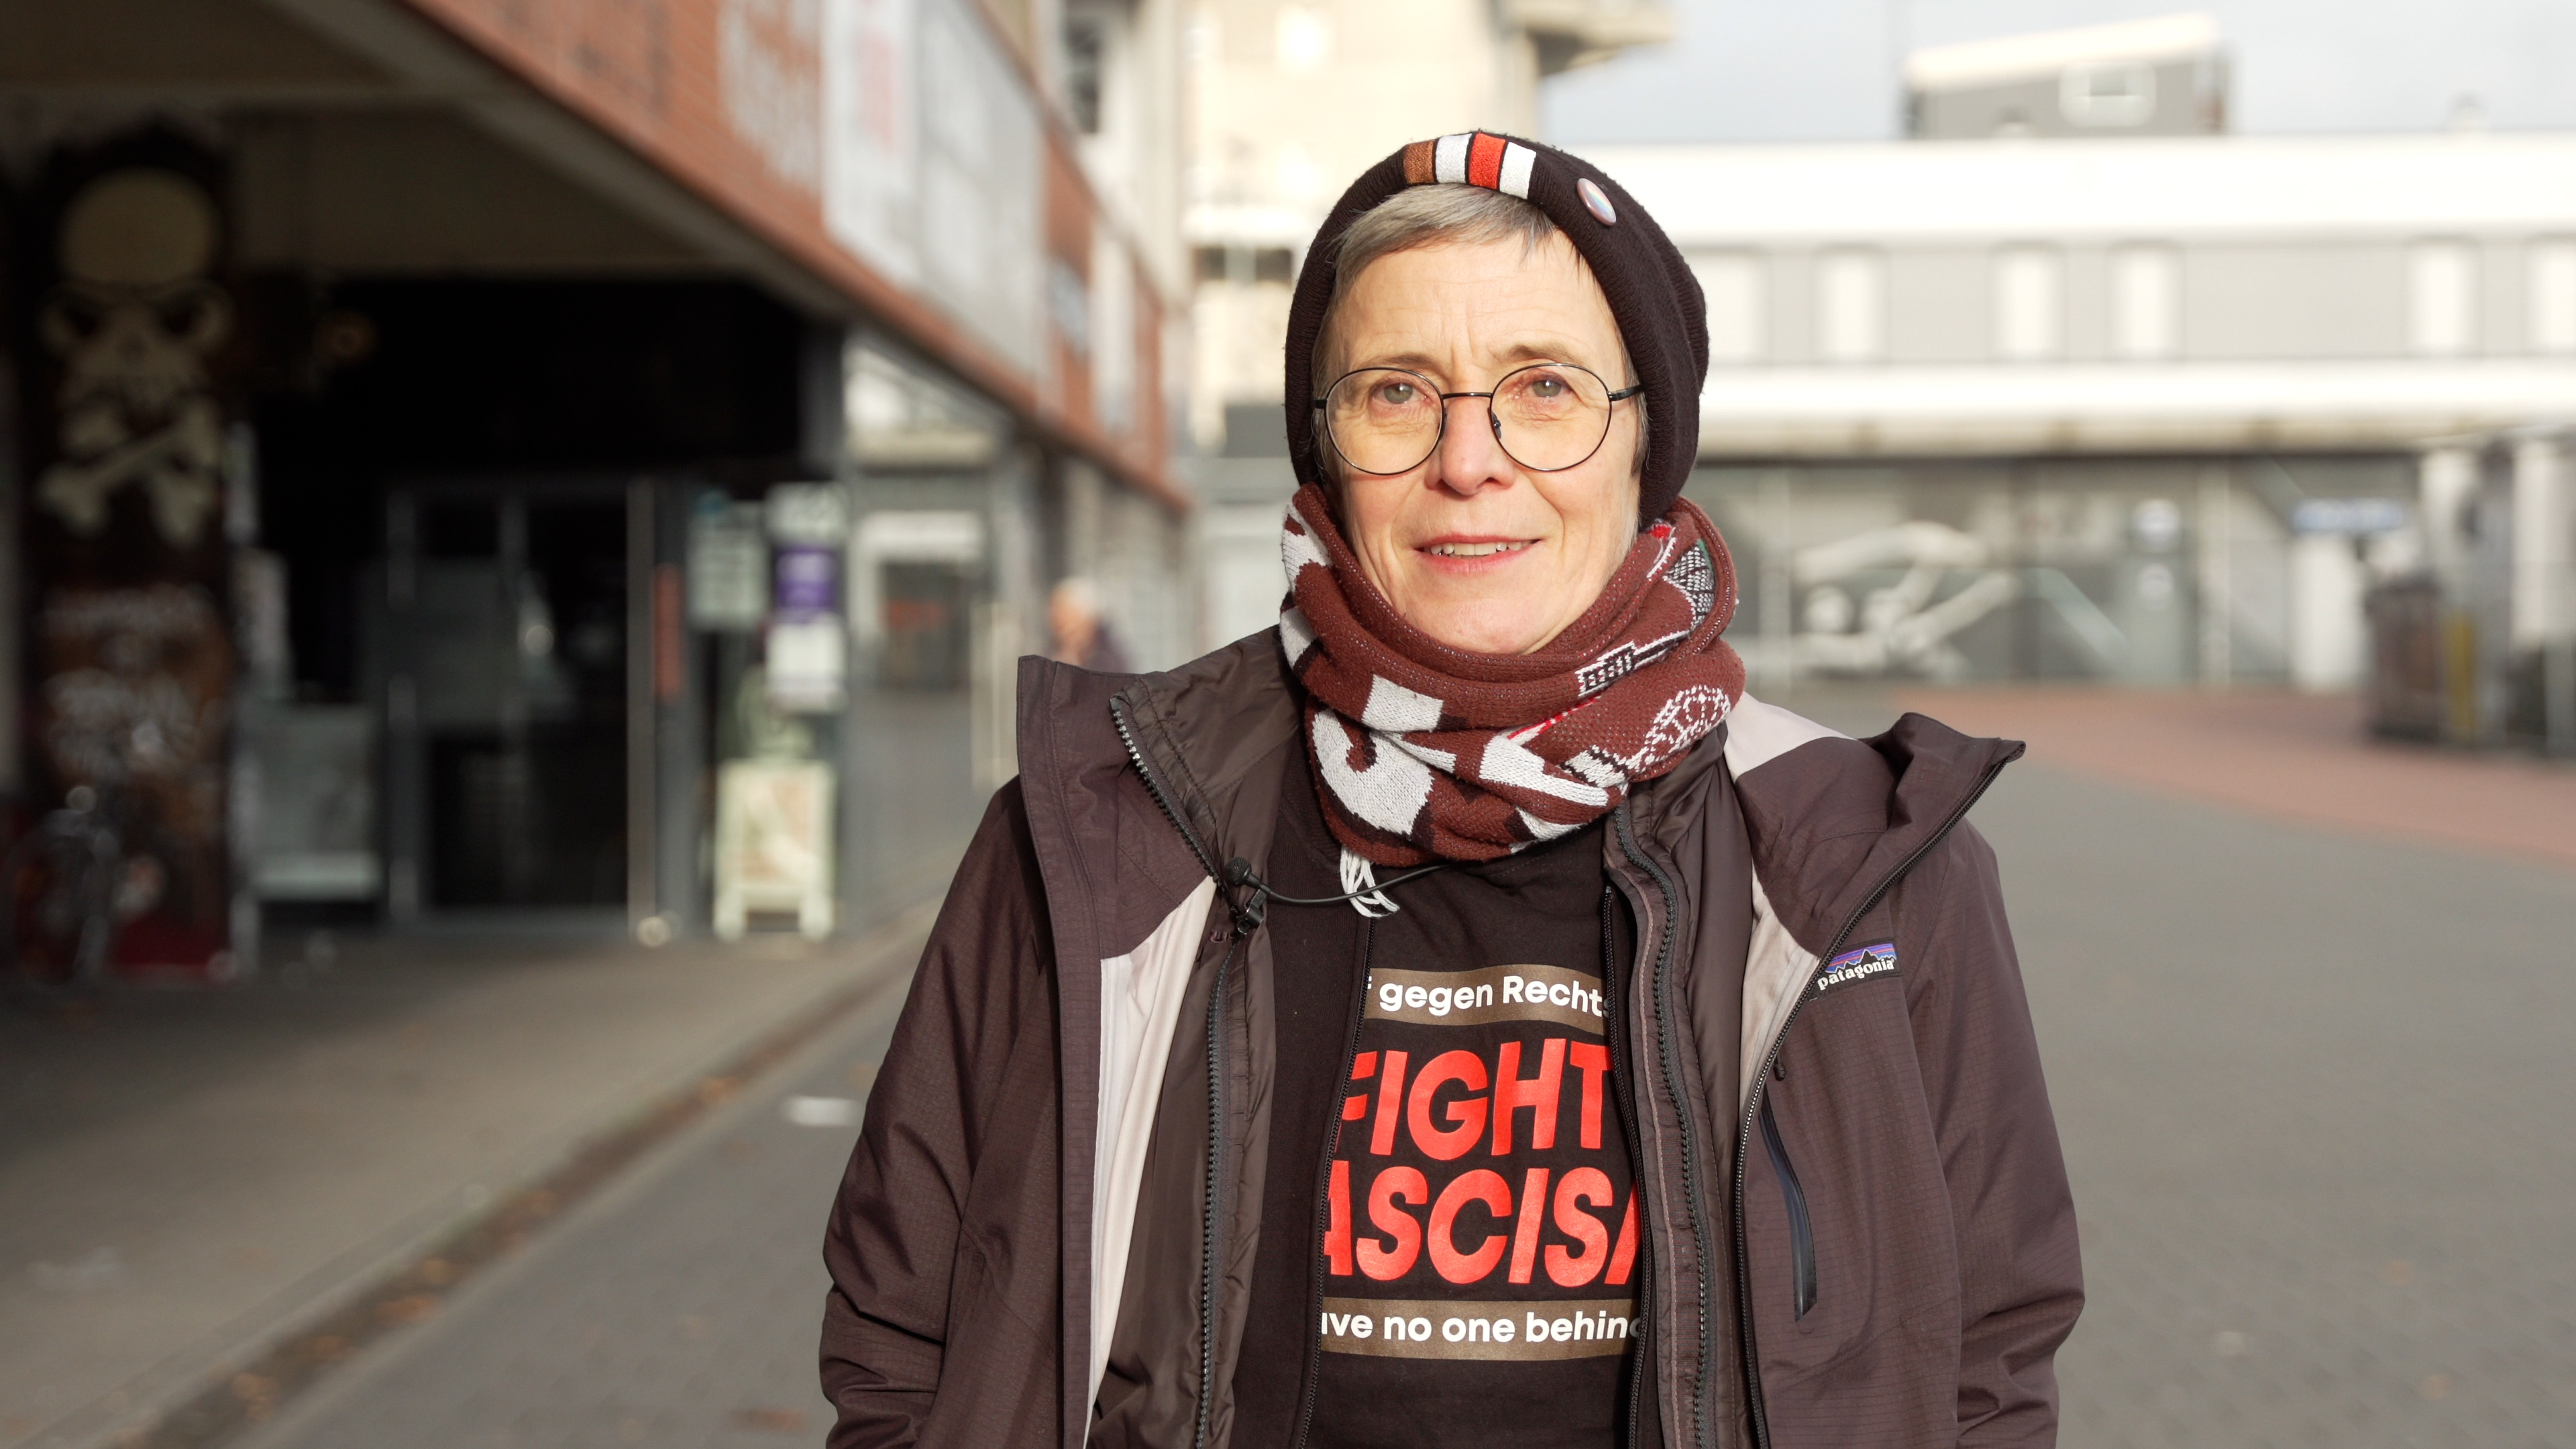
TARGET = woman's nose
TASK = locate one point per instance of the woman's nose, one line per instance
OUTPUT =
(1470, 458)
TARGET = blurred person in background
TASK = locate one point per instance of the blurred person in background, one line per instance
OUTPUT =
(1461, 1015)
(1082, 637)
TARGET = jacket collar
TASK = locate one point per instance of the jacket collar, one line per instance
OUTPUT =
(1832, 820)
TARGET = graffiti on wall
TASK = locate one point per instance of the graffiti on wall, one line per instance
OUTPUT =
(131, 655)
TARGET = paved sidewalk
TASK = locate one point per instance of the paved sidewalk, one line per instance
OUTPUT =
(678, 1308)
(2290, 756)
(184, 1176)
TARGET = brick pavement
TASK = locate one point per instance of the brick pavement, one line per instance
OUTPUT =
(2293, 756)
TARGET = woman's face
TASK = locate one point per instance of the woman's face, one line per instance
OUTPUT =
(1470, 547)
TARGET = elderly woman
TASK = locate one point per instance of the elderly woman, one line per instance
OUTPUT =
(1462, 1016)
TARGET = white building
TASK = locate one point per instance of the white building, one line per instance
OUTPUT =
(2113, 391)
(2095, 392)
(2164, 76)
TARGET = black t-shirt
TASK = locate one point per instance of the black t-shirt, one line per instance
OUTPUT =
(1480, 1235)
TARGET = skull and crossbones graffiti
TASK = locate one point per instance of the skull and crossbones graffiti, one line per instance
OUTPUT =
(134, 321)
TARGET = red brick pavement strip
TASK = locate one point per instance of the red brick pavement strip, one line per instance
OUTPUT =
(2300, 757)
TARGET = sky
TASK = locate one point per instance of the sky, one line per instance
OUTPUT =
(1824, 70)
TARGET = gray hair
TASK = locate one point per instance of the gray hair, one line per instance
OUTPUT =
(1430, 216)
(1442, 214)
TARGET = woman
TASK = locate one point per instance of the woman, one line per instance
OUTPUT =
(1462, 1015)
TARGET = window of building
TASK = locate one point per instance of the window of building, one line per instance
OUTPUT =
(2030, 293)
(1085, 43)
(1242, 265)
(1305, 39)
(2441, 299)
(2146, 303)
(1733, 284)
(1851, 306)
(2108, 93)
(2553, 297)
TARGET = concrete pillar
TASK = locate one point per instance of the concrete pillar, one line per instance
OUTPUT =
(2543, 616)
(2540, 542)
(2217, 561)
(2447, 481)
(2328, 642)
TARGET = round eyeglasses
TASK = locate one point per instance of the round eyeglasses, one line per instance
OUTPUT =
(1548, 416)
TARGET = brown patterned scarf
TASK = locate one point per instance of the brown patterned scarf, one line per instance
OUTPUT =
(1457, 755)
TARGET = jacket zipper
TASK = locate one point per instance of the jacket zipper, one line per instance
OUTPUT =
(1211, 1230)
(1757, 1106)
(1802, 1232)
(1154, 787)
(1324, 1192)
(1622, 1069)
(1682, 1115)
(1211, 1226)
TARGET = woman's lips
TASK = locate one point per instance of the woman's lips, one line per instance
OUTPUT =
(1472, 555)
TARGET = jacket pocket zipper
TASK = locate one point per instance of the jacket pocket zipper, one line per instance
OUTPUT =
(1802, 1233)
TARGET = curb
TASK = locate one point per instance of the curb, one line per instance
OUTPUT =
(248, 1395)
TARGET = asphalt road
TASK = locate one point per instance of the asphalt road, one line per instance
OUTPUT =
(2313, 1090)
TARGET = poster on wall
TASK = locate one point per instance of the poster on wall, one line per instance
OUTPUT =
(128, 324)
(871, 161)
(931, 153)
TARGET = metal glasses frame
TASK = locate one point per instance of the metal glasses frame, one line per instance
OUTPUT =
(1491, 419)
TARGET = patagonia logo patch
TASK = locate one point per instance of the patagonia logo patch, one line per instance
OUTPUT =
(1854, 967)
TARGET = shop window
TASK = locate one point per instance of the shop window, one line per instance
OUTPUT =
(460, 528)
(925, 626)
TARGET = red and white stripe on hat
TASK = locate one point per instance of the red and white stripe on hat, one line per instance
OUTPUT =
(1471, 158)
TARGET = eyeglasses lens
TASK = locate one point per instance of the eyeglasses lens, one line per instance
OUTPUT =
(1547, 417)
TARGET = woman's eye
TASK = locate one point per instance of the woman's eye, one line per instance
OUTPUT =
(1547, 389)
(1396, 394)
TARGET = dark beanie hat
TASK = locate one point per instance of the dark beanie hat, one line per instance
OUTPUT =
(1651, 291)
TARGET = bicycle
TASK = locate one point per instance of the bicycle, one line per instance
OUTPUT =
(68, 885)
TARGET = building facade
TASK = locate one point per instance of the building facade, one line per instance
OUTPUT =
(2143, 410)
(2165, 76)
(564, 458)
(1289, 103)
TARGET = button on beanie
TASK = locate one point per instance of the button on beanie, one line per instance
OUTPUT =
(1651, 291)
